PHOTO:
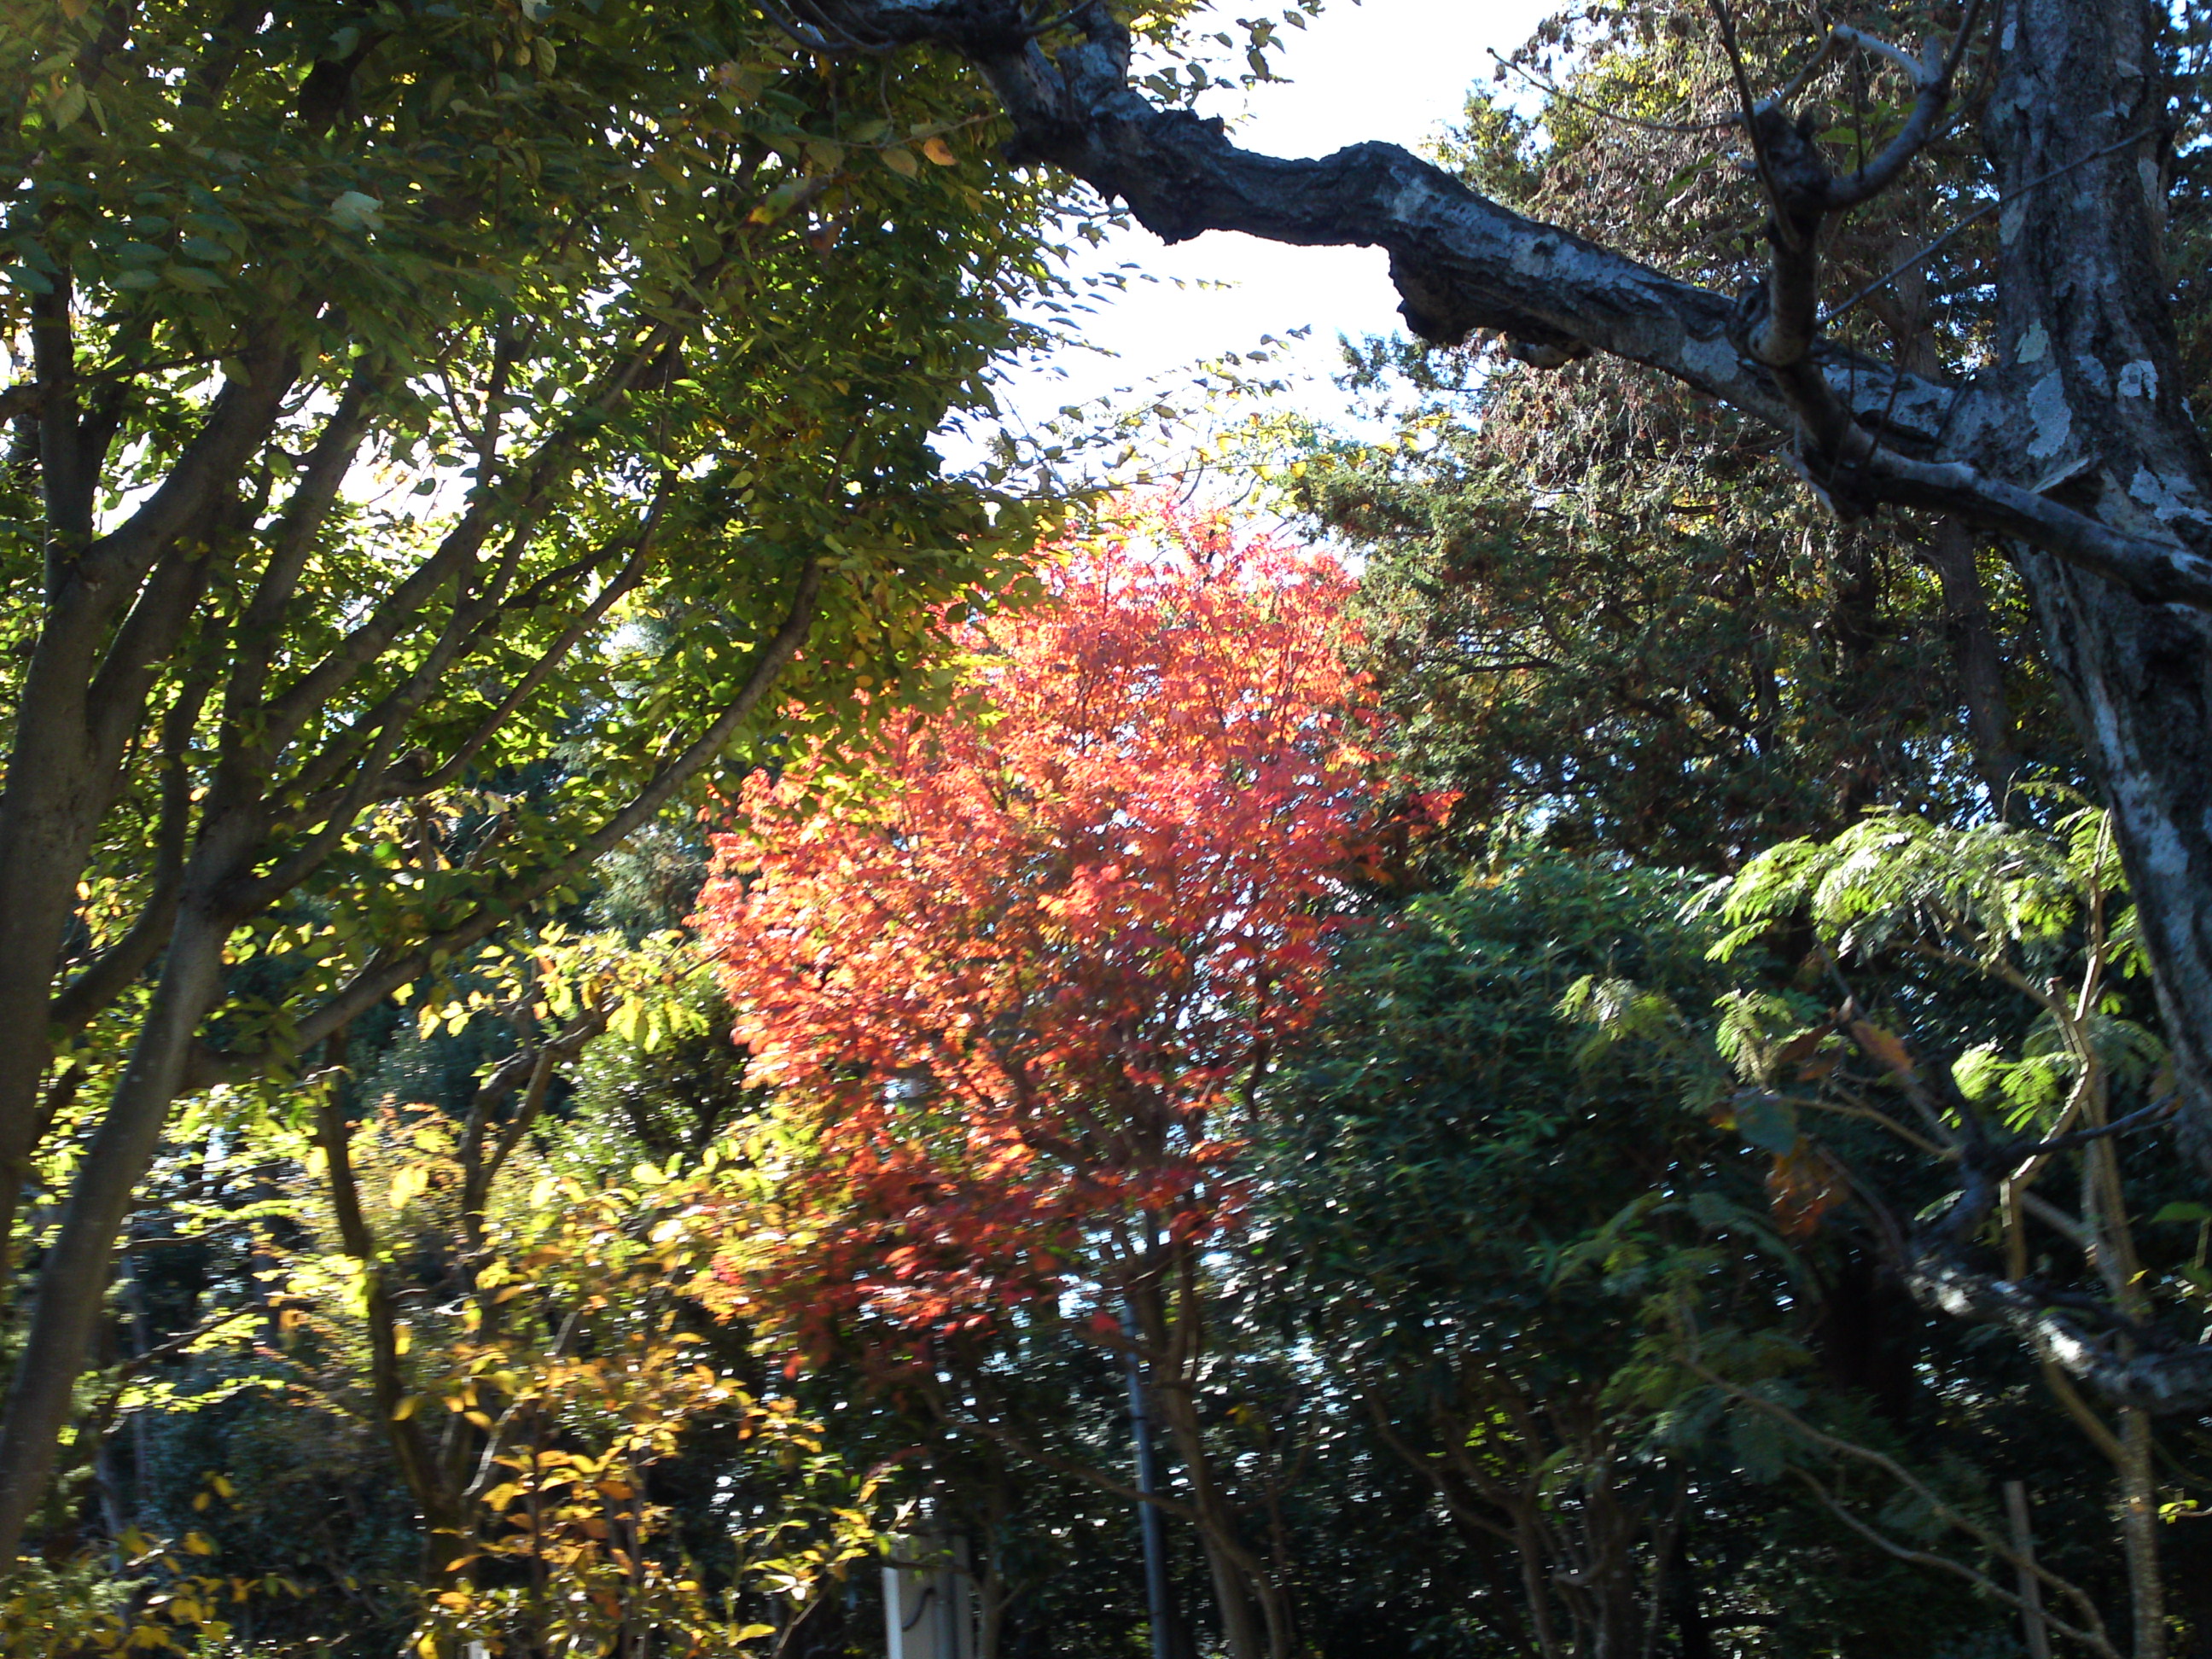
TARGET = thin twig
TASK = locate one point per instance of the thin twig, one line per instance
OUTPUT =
(1550, 90)
(2155, 1113)
(2096, 1641)
(1904, 1478)
(1977, 215)
(1744, 103)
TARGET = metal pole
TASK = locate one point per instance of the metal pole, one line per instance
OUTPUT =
(1148, 1515)
(2031, 1588)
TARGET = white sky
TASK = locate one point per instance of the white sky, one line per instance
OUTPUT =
(1394, 69)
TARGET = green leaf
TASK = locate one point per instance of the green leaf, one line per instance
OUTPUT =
(353, 210)
(64, 106)
(1767, 1123)
(1760, 1444)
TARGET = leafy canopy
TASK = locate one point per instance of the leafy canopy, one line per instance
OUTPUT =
(1015, 992)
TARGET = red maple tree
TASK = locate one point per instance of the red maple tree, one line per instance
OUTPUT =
(1015, 990)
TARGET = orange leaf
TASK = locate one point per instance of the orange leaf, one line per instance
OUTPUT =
(1882, 1046)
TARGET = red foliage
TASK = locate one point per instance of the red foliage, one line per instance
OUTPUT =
(1015, 993)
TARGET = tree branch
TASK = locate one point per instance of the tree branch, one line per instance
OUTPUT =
(479, 624)
(522, 504)
(1460, 263)
(238, 422)
(382, 975)
(293, 538)
(111, 972)
(411, 1448)
(1949, 1515)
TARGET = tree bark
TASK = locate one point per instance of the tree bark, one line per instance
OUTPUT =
(2139, 1536)
(82, 691)
(2089, 350)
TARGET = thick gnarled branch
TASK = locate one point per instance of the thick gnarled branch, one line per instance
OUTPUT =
(1868, 435)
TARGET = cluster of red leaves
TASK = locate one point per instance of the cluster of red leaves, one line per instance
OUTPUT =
(1017, 993)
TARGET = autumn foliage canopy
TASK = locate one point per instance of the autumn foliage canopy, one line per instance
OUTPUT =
(1013, 1001)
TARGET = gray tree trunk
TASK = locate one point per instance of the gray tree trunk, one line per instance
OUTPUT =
(2090, 359)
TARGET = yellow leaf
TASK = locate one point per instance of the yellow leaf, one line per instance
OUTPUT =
(478, 1418)
(405, 1408)
(754, 1632)
(940, 152)
(199, 1543)
(223, 1486)
(503, 1494)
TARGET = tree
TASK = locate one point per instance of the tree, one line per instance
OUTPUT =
(1483, 1224)
(2074, 443)
(651, 315)
(1611, 609)
(537, 1384)
(2053, 1085)
(1017, 996)
(1587, 629)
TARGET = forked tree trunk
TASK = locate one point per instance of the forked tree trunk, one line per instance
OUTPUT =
(2085, 324)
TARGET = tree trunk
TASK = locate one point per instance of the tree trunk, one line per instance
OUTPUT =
(73, 1278)
(2139, 1534)
(1612, 1529)
(2089, 352)
(2138, 680)
(1238, 1581)
(1977, 662)
(45, 834)
(1692, 1633)
(84, 690)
